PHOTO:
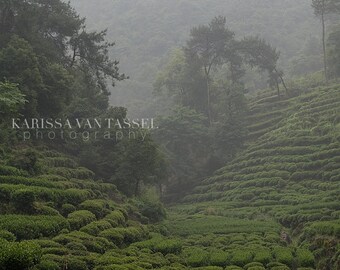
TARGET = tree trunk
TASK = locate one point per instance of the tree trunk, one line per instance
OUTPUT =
(283, 83)
(282, 80)
(208, 99)
(324, 44)
(278, 88)
(137, 187)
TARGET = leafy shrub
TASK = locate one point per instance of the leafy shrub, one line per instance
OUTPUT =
(31, 227)
(283, 267)
(23, 200)
(113, 235)
(305, 258)
(42, 209)
(22, 255)
(197, 257)
(98, 207)
(47, 265)
(124, 235)
(67, 208)
(284, 255)
(233, 267)
(252, 265)
(26, 160)
(80, 218)
(76, 264)
(150, 206)
(4, 234)
(92, 244)
(116, 218)
(95, 227)
(9, 170)
(219, 258)
(241, 257)
(60, 162)
(263, 256)
(77, 248)
(61, 251)
(209, 268)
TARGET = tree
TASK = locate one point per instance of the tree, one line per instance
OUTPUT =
(230, 131)
(210, 46)
(334, 53)
(321, 9)
(11, 99)
(138, 163)
(183, 82)
(184, 135)
(258, 53)
(64, 62)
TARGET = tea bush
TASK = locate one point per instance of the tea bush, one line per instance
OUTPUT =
(32, 227)
(80, 218)
(22, 255)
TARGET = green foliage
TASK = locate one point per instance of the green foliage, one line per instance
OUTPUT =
(219, 258)
(23, 200)
(47, 265)
(116, 218)
(150, 206)
(98, 207)
(22, 255)
(113, 235)
(67, 208)
(8, 236)
(95, 227)
(162, 245)
(305, 258)
(284, 255)
(32, 227)
(197, 257)
(80, 218)
(241, 257)
(11, 99)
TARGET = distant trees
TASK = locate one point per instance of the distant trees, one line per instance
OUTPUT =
(334, 53)
(51, 66)
(63, 61)
(205, 80)
(322, 8)
(187, 142)
(11, 99)
(209, 46)
(259, 53)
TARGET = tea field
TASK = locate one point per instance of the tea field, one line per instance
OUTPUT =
(276, 206)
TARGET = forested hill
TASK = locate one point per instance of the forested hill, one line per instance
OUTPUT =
(146, 31)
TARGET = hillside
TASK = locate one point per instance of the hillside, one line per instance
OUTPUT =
(60, 217)
(286, 181)
(251, 177)
(274, 207)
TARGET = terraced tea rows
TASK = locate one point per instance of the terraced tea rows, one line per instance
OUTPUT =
(285, 184)
(275, 207)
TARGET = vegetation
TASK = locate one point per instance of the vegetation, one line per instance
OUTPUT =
(252, 175)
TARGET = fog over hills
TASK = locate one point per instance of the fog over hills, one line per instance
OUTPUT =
(146, 31)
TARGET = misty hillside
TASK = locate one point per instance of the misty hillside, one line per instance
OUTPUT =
(146, 31)
(236, 167)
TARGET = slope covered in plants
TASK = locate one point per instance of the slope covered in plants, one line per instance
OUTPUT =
(55, 216)
(277, 204)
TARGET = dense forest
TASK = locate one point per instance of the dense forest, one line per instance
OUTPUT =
(169, 135)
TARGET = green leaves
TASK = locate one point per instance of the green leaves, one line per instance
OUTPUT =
(22, 255)
(11, 99)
